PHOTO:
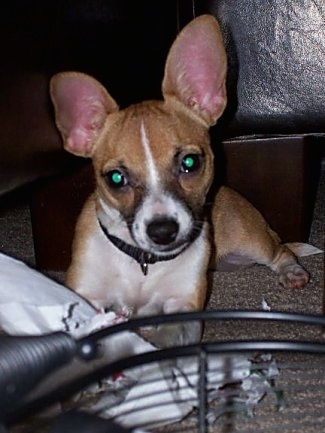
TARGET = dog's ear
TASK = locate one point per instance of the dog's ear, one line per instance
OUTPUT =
(195, 71)
(81, 107)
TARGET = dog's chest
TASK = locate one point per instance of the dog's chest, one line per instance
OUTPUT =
(144, 294)
(118, 281)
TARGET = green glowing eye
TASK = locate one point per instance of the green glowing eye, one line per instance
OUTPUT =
(190, 163)
(116, 179)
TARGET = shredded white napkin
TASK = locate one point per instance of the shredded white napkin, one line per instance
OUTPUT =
(156, 393)
(32, 304)
(166, 392)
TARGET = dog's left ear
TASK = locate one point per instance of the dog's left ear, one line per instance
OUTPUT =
(195, 71)
(81, 105)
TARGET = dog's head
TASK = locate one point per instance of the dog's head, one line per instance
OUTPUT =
(152, 161)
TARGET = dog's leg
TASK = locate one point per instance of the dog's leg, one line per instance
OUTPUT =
(243, 237)
(176, 334)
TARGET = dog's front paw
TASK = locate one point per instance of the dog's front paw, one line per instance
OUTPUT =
(171, 335)
(293, 276)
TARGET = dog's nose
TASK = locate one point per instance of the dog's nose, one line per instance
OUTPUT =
(163, 231)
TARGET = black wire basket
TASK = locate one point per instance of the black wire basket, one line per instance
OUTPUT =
(268, 378)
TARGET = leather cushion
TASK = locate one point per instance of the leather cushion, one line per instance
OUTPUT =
(276, 50)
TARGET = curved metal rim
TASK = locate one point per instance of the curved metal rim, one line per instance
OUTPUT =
(208, 315)
(221, 348)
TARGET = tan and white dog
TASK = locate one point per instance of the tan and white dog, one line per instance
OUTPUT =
(144, 238)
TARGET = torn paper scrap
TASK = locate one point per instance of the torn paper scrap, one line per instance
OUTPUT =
(301, 249)
(265, 305)
(166, 392)
(33, 304)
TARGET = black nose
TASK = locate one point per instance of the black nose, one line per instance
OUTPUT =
(163, 231)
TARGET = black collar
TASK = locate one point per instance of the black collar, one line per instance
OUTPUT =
(142, 257)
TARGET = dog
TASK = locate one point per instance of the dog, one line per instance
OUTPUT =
(145, 237)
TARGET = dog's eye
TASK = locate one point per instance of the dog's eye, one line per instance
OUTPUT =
(116, 179)
(190, 163)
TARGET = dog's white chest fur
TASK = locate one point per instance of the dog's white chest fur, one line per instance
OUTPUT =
(118, 282)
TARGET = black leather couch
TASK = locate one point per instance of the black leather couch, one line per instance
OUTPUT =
(268, 144)
(273, 129)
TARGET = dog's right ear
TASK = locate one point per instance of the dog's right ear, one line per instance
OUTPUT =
(196, 67)
(81, 105)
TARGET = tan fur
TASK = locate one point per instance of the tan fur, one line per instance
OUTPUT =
(147, 142)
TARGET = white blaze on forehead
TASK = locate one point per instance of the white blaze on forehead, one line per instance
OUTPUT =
(158, 202)
(152, 171)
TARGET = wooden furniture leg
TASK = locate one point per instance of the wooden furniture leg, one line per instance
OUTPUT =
(279, 176)
(55, 206)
